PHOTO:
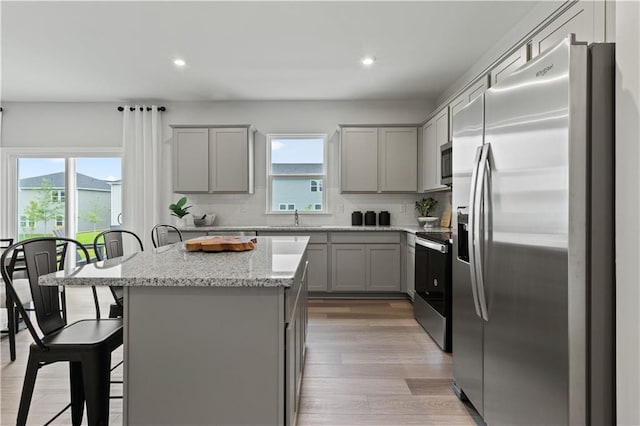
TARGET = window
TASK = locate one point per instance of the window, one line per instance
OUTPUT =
(316, 185)
(296, 171)
(43, 206)
(286, 207)
(57, 196)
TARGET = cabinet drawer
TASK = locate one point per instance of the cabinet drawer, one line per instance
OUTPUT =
(380, 237)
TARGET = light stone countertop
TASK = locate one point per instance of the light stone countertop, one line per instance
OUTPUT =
(412, 229)
(272, 263)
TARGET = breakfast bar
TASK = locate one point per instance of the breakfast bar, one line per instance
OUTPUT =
(209, 338)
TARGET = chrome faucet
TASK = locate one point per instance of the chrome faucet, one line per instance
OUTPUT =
(296, 218)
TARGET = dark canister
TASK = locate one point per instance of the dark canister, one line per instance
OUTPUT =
(384, 218)
(356, 218)
(370, 218)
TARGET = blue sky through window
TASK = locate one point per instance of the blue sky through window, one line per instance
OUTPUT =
(108, 168)
(297, 151)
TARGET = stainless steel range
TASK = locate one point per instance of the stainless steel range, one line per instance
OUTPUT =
(432, 304)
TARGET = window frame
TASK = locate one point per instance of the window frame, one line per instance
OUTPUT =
(322, 176)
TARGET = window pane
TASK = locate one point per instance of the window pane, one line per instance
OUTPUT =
(41, 183)
(297, 156)
(98, 196)
(295, 193)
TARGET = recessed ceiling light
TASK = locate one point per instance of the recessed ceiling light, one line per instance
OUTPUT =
(179, 62)
(367, 61)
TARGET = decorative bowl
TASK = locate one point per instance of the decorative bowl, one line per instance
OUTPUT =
(427, 221)
(207, 220)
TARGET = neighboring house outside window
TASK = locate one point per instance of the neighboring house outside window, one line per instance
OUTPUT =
(296, 171)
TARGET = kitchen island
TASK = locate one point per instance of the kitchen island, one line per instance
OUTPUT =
(209, 338)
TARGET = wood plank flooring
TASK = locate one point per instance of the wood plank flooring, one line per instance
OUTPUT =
(368, 363)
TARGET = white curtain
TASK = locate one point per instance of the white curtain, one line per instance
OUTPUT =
(141, 141)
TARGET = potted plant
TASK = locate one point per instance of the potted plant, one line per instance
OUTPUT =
(179, 210)
(424, 206)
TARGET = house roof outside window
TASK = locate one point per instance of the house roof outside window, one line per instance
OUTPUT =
(56, 180)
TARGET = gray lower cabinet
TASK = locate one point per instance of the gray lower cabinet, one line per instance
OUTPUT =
(383, 267)
(295, 336)
(359, 263)
(349, 270)
(411, 265)
(318, 268)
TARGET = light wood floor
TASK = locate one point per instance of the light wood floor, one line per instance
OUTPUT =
(368, 363)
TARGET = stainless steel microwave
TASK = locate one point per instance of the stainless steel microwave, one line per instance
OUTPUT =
(446, 169)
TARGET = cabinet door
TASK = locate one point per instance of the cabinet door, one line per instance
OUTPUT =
(318, 274)
(398, 159)
(383, 267)
(349, 267)
(411, 270)
(190, 160)
(229, 160)
(441, 124)
(427, 156)
(509, 65)
(359, 159)
(585, 19)
(475, 90)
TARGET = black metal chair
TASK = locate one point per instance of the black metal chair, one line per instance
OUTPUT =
(86, 344)
(160, 235)
(113, 247)
(16, 266)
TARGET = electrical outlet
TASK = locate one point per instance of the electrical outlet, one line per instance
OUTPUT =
(403, 208)
(340, 208)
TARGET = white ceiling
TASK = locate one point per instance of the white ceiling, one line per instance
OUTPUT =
(122, 51)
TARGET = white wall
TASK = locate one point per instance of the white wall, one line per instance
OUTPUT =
(58, 125)
(533, 19)
(99, 125)
(628, 212)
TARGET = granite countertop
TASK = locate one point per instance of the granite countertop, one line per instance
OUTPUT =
(318, 228)
(273, 263)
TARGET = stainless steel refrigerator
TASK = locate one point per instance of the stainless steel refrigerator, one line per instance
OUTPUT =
(533, 242)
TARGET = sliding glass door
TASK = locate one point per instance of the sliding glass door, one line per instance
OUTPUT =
(73, 196)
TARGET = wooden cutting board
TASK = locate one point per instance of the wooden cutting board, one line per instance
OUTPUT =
(445, 221)
(220, 243)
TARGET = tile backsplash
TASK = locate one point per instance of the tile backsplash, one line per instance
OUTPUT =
(245, 209)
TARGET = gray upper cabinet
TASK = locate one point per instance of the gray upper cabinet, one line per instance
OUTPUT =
(359, 159)
(376, 159)
(585, 19)
(212, 159)
(229, 160)
(435, 133)
(190, 160)
(475, 90)
(509, 64)
(398, 160)
(428, 179)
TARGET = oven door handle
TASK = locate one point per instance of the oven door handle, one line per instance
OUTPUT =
(442, 248)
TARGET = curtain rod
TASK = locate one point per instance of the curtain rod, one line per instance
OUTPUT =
(161, 109)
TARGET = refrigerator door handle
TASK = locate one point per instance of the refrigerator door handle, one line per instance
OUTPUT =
(472, 230)
(478, 227)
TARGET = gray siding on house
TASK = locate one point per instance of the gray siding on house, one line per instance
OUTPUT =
(297, 192)
(91, 192)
